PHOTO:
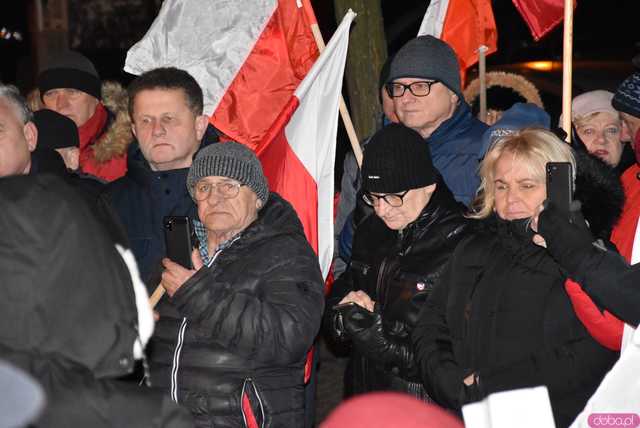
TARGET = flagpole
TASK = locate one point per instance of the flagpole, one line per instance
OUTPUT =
(344, 112)
(483, 81)
(567, 69)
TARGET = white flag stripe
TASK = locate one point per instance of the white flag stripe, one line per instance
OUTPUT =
(434, 18)
(313, 128)
(211, 39)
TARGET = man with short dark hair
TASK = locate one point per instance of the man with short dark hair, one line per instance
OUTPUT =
(70, 85)
(166, 112)
(424, 82)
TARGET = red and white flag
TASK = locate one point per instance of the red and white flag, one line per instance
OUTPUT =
(465, 25)
(298, 154)
(248, 56)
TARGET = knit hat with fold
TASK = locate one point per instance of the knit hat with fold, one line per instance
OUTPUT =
(397, 159)
(70, 69)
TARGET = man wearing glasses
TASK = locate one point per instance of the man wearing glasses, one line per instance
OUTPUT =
(398, 255)
(424, 83)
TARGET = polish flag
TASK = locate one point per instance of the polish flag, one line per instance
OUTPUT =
(298, 153)
(465, 25)
(248, 56)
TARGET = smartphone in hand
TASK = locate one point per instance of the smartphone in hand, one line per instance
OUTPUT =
(560, 185)
(179, 239)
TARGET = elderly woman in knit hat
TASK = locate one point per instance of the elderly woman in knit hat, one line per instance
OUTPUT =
(232, 339)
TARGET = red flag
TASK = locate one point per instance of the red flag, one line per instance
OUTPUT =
(541, 16)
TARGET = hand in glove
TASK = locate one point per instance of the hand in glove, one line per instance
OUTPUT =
(568, 239)
(367, 334)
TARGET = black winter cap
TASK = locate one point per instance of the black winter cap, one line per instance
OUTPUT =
(397, 159)
(70, 69)
(55, 131)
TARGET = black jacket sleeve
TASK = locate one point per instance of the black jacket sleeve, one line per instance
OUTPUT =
(603, 274)
(269, 309)
(441, 375)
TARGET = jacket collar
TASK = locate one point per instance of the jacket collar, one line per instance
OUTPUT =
(459, 123)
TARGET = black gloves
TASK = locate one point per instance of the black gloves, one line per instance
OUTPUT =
(367, 334)
(568, 239)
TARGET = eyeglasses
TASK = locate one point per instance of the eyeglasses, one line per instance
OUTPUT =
(392, 199)
(225, 189)
(419, 89)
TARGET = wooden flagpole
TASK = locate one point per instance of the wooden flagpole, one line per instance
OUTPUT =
(344, 112)
(482, 77)
(567, 67)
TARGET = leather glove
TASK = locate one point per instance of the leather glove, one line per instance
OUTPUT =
(568, 239)
(367, 334)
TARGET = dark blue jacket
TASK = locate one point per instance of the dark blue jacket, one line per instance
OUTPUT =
(141, 199)
(456, 148)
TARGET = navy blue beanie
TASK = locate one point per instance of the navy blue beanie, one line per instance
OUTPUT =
(519, 116)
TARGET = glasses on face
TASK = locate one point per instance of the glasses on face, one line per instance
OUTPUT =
(392, 199)
(418, 89)
(225, 189)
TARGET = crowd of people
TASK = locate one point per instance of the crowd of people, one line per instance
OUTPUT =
(456, 277)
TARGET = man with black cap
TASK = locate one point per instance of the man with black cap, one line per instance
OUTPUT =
(70, 85)
(424, 83)
(398, 254)
(626, 234)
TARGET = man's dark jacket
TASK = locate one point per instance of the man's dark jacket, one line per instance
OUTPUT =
(398, 271)
(242, 327)
(142, 198)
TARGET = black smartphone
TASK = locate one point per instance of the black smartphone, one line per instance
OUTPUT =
(179, 239)
(560, 185)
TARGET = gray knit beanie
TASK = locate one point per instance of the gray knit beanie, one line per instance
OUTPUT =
(232, 160)
(429, 58)
(627, 97)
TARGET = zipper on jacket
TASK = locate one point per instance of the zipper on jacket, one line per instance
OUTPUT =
(180, 342)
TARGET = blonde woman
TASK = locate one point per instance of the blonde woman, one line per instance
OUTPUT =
(500, 317)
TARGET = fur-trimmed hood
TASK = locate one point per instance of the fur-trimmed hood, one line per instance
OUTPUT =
(115, 141)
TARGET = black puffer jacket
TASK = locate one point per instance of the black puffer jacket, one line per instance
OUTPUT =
(398, 271)
(68, 313)
(244, 325)
(501, 311)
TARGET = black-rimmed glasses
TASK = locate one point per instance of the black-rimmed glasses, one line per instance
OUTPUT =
(419, 89)
(392, 199)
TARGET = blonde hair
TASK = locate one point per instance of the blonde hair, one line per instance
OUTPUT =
(534, 147)
(580, 121)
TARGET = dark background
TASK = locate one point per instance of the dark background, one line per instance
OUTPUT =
(105, 29)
